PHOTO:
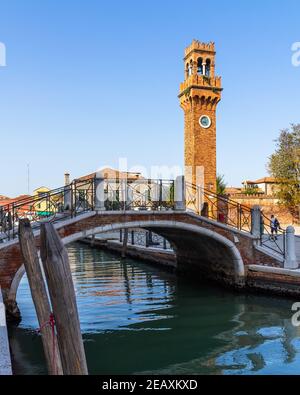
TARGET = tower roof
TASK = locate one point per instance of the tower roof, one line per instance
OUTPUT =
(199, 46)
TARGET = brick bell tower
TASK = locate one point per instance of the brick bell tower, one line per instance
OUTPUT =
(199, 95)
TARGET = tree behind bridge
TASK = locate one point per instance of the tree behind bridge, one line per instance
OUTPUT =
(284, 165)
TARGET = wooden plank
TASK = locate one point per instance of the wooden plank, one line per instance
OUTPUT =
(39, 295)
(62, 294)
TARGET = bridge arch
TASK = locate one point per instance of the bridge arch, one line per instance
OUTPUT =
(197, 249)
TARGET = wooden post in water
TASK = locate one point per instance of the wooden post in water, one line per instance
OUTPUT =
(61, 290)
(39, 296)
(125, 241)
(92, 244)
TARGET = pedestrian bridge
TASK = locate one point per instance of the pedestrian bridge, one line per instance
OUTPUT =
(211, 235)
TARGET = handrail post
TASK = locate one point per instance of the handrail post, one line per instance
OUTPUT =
(179, 193)
(68, 197)
(164, 243)
(99, 194)
(200, 199)
(238, 216)
(13, 221)
(290, 261)
(256, 221)
(160, 193)
(74, 199)
(93, 200)
(151, 199)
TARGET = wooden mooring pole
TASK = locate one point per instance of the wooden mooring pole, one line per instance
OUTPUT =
(124, 246)
(39, 296)
(61, 290)
(92, 244)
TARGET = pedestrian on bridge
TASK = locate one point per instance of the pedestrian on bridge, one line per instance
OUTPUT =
(275, 225)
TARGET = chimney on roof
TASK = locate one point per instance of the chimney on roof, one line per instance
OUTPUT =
(67, 179)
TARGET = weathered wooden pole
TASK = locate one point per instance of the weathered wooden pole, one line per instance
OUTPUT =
(61, 290)
(39, 296)
(92, 244)
(125, 241)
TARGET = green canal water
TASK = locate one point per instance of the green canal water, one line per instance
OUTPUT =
(137, 318)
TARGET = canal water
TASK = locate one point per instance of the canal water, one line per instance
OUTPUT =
(139, 319)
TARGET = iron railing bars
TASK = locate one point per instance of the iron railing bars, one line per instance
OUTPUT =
(272, 241)
(122, 195)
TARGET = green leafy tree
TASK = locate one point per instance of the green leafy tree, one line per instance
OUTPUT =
(221, 185)
(284, 165)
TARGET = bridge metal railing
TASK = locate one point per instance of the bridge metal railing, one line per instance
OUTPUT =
(47, 206)
(121, 195)
(273, 240)
(219, 208)
(145, 238)
(229, 212)
(142, 194)
(80, 196)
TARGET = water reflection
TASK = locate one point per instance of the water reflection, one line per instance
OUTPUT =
(140, 319)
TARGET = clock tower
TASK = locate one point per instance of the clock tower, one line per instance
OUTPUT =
(199, 95)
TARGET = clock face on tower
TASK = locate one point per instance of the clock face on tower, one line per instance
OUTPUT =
(205, 121)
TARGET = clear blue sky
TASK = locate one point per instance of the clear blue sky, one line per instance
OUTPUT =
(90, 81)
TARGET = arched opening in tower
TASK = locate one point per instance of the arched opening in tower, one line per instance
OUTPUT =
(207, 67)
(200, 66)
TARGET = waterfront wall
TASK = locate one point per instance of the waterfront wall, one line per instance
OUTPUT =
(273, 280)
(259, 278)
(154, 255)
(5, 360)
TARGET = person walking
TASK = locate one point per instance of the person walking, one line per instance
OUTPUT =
(275, 225)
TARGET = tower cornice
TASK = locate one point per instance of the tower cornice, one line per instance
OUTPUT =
(200, 82)
(199, 51)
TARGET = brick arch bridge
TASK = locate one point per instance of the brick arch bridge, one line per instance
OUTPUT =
(213, 249)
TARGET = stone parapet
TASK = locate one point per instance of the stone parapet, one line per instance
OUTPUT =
(199, 46)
